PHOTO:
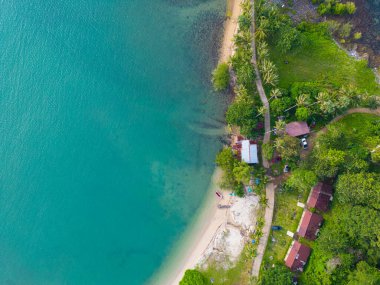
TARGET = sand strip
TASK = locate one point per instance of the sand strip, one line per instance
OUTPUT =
(230, 28)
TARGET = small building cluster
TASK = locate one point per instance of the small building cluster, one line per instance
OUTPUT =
(309, 226)
(246, 150)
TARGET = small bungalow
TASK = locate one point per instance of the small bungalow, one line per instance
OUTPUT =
(297, 129)
(309, 225)
(297, 256)
(320, 197)
(249, 152)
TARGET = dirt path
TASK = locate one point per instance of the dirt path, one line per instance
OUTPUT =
(270, 187)
(260, 88)
(266, 230)
(355, 110)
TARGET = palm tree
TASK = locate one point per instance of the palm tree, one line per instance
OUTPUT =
(275, 93)
(241, 92)
(260, 34)
(264, 23)
(280, 126)
(302, 99)
(243, 39)
(279, 144)
(322, 98)
(266, 65)
(262, 49)
(343, 102)
(261, 111)
(246, 6)
(270, 77)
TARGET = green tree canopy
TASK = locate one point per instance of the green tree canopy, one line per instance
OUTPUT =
(328, 162)
(302, 180)
(241, 112)
(242, 172)
(302, 113)
(279, 105)
(364, 275)
(288, 147)
(268, 150)
(353, 228)
(227, 162)
(288, 38)
(359, 189)
(193, 277)
(279, 275)
(221, 77)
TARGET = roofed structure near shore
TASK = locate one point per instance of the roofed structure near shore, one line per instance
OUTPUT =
(249, 152)
(309, 225)
(296, 129)
(320, 196)
(297, 256)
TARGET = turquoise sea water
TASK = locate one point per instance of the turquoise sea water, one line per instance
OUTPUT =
(105, 143)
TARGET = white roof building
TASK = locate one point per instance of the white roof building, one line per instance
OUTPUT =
(249, 152)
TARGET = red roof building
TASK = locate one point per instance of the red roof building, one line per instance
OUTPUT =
(296, 129)
(309, 225)
(297, 256)
(320, 197)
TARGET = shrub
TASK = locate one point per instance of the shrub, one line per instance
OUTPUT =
(357, 35)
(302, 113)
(193, 277)
(345, 30)
(350, 8)
(221, 77)
(339, 9)
(268, 150)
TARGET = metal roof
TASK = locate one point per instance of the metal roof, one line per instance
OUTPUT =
(249, 152)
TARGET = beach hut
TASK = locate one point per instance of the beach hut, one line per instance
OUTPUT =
(249, 152)
(297, 129)
(297, 256)
(320, 197)
(309, 225)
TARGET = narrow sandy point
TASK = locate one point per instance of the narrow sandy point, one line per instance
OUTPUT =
(230, 28)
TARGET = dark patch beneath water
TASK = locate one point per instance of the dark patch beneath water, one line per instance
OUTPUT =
(204, 39)
(367, 21)
(185, 3)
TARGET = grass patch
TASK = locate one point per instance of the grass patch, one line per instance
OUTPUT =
(287, 215)
(320, 59)
(361, 128)
(239, 274)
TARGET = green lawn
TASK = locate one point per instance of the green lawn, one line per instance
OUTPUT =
(361, 128)
(239, 274)
(322, 60)
(287, 215)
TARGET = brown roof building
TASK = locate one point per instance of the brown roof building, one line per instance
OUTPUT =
(320, 197)
(309, 225)
(297, 256)
(296, 129)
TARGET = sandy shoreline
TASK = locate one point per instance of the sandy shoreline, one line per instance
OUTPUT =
(230, 28)
(205, 227)
(196, 238)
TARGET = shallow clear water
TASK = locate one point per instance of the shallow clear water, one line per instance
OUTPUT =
(105, 143)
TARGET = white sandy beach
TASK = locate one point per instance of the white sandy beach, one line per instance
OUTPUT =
(213, 225)
(230, 28)
(217, 234)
